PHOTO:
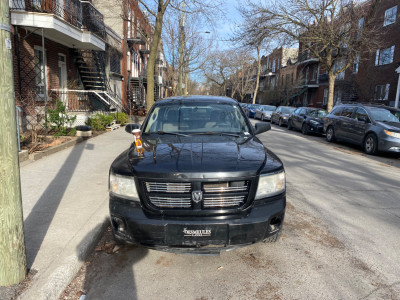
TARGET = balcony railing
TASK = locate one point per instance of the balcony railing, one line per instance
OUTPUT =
(93, 20)
(79, 14)
(68, 10)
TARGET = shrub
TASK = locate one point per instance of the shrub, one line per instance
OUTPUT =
(58, 119)
(99, 121)
(121, 118)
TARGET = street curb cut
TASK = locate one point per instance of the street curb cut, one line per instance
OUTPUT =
(67, 269)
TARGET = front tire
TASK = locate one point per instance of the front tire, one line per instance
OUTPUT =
(290, 125)
(262, 117)
(304, 129)
(371, 144)
(273, 238)
(280, 123)
(330, 134)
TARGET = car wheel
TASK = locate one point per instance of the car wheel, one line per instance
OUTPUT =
(304, 129)
(262, 117)
(371, 144)
(273, 238)
(280, 123)
(330, 134)
(289, 125)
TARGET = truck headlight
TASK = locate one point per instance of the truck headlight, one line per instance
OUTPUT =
(123, 186)
(270, 185)
(393, 134)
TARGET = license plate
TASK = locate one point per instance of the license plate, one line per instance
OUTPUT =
(196, 234)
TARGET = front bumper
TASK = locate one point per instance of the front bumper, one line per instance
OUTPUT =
(132, 225)
(388, 144)
(285, 120)
(267, 117)
(316, 128)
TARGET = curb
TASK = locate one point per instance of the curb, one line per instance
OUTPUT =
(40, 154)
(55, 280)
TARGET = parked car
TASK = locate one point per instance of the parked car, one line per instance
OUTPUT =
(198, 182)
(281, 115)
(252, 109)
(373, 128)
(264, 112)
(307, 120)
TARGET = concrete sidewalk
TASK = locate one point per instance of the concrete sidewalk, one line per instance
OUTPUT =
(65, 205)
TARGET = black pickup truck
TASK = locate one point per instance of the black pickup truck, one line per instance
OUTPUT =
(202, 180)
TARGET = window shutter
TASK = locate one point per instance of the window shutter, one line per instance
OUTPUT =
(387, 91)
(377, 58)
(391, 54)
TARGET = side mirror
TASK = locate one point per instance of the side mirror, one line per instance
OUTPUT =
(130, 127)
(362, 119)
(262, 127)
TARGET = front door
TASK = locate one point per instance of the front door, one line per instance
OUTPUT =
(62, 78)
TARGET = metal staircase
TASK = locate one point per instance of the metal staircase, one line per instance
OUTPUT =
(92, 71)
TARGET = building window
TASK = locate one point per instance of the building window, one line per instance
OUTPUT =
(390, 16)
(382, 92)
(325, 99)
(273, 66)
(115, 62)
(360, 26)
(384, 56)
(356, 63)
(39, 71)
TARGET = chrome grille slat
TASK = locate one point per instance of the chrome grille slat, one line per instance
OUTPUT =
(225, 189)
(171, 202)
(223, 201)
(168, 187)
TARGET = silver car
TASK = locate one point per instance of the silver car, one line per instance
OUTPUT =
(264, 112)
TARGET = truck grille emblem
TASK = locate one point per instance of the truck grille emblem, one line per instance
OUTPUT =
(197, 196)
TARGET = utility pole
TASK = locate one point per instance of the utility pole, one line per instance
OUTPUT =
(12, 246)
(181, 50)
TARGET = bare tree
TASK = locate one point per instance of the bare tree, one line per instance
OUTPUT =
(157, 9)
(333, 31)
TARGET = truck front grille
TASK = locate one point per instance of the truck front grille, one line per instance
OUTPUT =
(178, 195)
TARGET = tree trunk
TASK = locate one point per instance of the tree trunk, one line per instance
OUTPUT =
(12, 246)
(181, 50)
(258, 73)
(332, 78)
(153, 56)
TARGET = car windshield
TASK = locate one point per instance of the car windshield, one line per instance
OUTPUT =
(383, 115)
(253, 106)
(317, 113)
(288, 110)
(186, 117)
(269, 107)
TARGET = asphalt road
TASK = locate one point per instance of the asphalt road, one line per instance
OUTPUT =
(341, 238)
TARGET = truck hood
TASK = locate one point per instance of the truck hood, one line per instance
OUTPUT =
(200, 158)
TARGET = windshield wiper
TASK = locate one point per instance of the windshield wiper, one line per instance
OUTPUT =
(217, 133)
(171, 133)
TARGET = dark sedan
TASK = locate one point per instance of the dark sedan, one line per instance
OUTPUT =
(281, 115)
(307, 120)
(373, 128)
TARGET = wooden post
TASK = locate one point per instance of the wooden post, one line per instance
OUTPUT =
(12, 246)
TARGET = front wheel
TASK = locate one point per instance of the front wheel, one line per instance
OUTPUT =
(371, 144)
(280, 123)
(262, 117)
(330, 134)
(304, 129)
(273, 238)
(290, 125)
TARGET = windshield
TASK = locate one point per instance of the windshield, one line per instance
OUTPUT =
(288, 110)
(187, 117)
(317, 113)
(383, 115)
(269, 107)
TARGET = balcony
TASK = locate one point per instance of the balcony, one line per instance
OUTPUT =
(72, 23)
(306, 58)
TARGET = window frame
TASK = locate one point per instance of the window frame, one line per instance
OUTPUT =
(390, 16)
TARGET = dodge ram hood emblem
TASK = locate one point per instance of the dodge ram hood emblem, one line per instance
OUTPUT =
(197, 196)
